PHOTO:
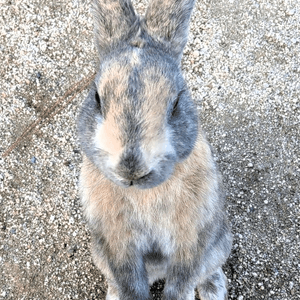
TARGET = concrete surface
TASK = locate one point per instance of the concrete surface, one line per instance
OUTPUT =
(242, 65)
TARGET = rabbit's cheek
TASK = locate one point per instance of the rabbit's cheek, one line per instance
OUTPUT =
(106, 139)
(156, 149)
(116, 179)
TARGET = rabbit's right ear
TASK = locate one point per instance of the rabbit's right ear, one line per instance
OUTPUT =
(113, 21)
(168, 22)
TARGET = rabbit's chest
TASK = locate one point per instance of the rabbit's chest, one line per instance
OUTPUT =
(152, 230)
(151, 222)
(164, 227)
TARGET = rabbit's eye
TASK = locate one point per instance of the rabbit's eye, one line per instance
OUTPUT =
(97, 98)
(175, 105)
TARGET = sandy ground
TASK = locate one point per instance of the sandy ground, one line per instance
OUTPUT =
(242, 65)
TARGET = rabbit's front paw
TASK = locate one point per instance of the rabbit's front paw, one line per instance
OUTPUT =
(214, 287)
(112, 294)
(188, 296)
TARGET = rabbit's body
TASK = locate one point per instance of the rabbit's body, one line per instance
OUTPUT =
(178, 223)
(148, 184)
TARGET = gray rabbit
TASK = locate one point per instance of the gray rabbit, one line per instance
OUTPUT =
(148, 184)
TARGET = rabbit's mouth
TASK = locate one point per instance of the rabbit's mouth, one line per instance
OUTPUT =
(147, 181)
(144, 182)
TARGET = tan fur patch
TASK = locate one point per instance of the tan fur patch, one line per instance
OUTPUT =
(102, 205)
(108, 138)
(156, 92)
(115, 75)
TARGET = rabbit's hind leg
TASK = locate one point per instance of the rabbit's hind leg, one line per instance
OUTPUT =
(213, 287)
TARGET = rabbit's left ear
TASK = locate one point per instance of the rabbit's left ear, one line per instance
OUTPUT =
(168, 22)
(113, 21)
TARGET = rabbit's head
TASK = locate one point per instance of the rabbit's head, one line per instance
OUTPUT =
(138, 120)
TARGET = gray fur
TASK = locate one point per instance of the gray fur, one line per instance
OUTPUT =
(148, 184)
(168, 21)
(113, 21)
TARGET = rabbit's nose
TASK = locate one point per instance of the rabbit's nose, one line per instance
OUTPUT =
(131, 166)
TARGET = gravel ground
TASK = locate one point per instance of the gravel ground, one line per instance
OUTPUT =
(242, 65)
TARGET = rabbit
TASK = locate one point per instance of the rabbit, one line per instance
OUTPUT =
(148, 185)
